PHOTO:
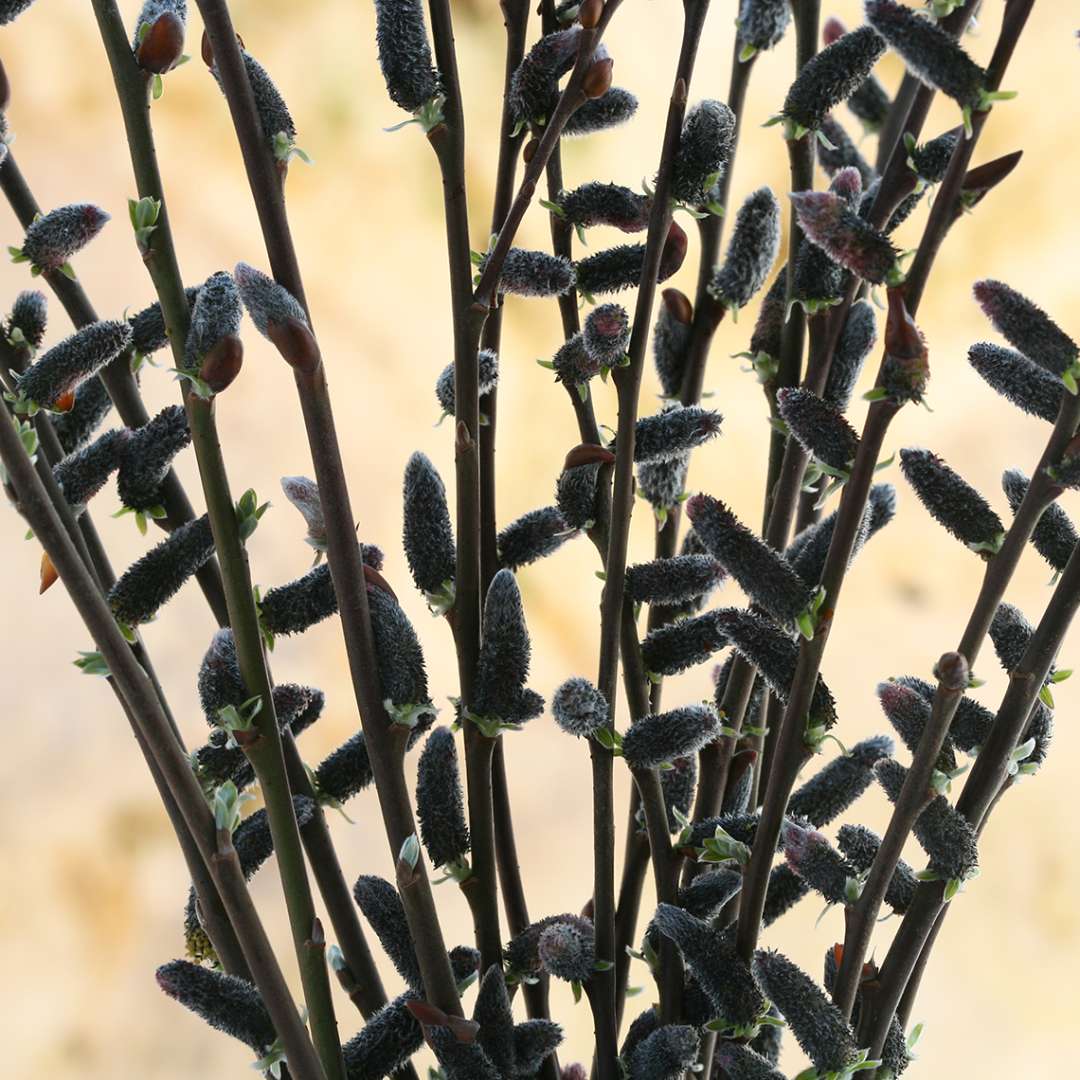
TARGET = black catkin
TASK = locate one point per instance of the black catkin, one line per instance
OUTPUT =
(28, 319)
(815, 860)
(673, 582)
(299, 605)
(930, 161)
(784, 891)
(532, 536)
(1055, 537)
(151, 582)
(932, 55)
(219, 681)
(673, 432)
(146, 456)
(573, 364)
(78, 357)
(972, 722)
(666, 1054)
(761, 571)
(611, 109)
(661, 737)
(817, 1024)
(404, 53)
(148, 333)
(533, 273)
(595, 203)
(751, 251)
(1010, 632)
(400, 662)
(534, 1042)
(831, 77)
(671, 341)
(709, 892)
(836, 786)
(10, 10)
(227, 1003)
(534, 86)
(439, 804)
(741, 1063)
(681, 645)
(567, 950)
(952, 501)
(579, 708)
(268, 303)
(384, 911)
(1027, 327)
(943, 833)
(858, 338)
(761, 25)
(55, 237)
(83, 474)
(765, 342)
(818, 427)
(828, 222)
(494, 1013)
(428, 536)
(869, 102)
(215, 315)
(346, 771)
(909, 713)
(274, 117)
(389, 1038)
(459, 1060)
(860, 846)
(505, 651)
(841, 153)
(677, 785)
(621, 267)
(705, 145)
(575, 495)
(606, 334)
(487, 363)
(1017, 379)
(663, 483)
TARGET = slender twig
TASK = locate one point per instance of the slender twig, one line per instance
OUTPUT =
(386, 745)
(131, 680)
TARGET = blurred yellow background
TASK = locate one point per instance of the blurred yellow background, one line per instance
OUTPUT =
(93, 885)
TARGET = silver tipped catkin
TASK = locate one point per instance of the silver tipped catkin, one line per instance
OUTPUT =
(400, 662)
(831, 77)
(841, 153)
(532, 536)
(215, 315)
(225, 1002)
(54, 237)
(868, 102)
(505, 650)
(60, 370)
(814, 1020)
(534, 1042)
(1011, 633)
(621, 267)
(605, 204)
(751, 251)
(274, 116)
(155, 579)
(522, 951)
(220, 682)
(606, 334)
(1027, 327)
(488, 378)
(575, 495)
(386, 1042)
(663, 483)
(495, 1016)
(932, 55)
(943, 833)
(972, 723)
(666, 1054)
(533, 273)
(346, 772)
(860, 846)
(661, 737)
(428, 536)
(708, 135)
(148, 333)
(534, 86)
(762, 572)
(610, 109)
(28, 318)
(741, 1063)
(579, 708)
(815, 860)
(1055, 537)
(573, 364)
(384, 911)
(404, 53)
(681, 645)
(711, 958)
(673, 582)
(671, 341)
(567, 950)
(785, 890)
(83, 474)
(303, 493)
(835, 787)
(818, 427)
(1018, 379)
(673, 432)
(828, 221)
(146, 457)
(952, 501)
(858, 338)
(761, 24)
(459, 1060)
(439, 804)
(268, 303)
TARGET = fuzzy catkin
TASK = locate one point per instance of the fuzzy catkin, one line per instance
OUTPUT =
(705, 145)
(671, 341)
(909, 714)
(751, 252)
(666, 1054)
(661, 737)
(77, 358)
(741, 1063)
(532, 536)
(858, 338)
(836, 786)
(533, 273)
(818, 427)
(266, 301)
(151, 582)
(505, 650)
(274, 117)
(146, 456)
(1055, 537)
(761, 23)
(346, 771)
(215, 314)
(55, 237)
(575, 495)
(148, 333)
(494, 1013)
(534, 85)
(674, 581)
(595, 203)
(389, 1038)
(29, 315)
(1026, 326)
(621, 267)
(487, 363)
(10, 10)
(573, 364)
(611, 109)
(439, 804)
(829, 222)
(663, 483)
(579, 708)
(567, 950)
(427, 534)
(404, 53)
(673, 432)
(815, 860)
(860, 846)
(83, 474)
(841, 153)
(679, 646)
(384, 911)
(1028, 386)
(606, 334)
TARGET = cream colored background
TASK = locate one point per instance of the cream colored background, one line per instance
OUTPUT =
(93, 886)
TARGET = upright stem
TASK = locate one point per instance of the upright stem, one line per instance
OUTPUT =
(386, 746)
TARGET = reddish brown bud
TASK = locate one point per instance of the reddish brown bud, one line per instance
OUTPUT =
(427, 1015)
(674, 251)
(678, 306)
(598, 78)
(65, 402)
(530, 150)
(207, 50)
(952, 670)
(48, 573)
(375, 580)
(589, 13)
(832, 31)
(984, 178)
(161, 48)
(222, 363)
(296, 343)
(588, 454)
(906, 369)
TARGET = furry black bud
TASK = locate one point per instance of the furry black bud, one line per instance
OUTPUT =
(428, 536)
(673, 432)
(671, 340)
(681, 645)
(666, 1054)
(534, 86)
(971, 723)
(148, 333)
(215, 315)
(55, 237)
(1018, 379)
(612, 108)
(741, 1063)
(567, 950)
(29, 315)
(836, 786)
(532, 536)
(785, 890)
(663, 483)
(761, 24)
(488, 378)
(858, 338)
(503, 665)
(404, 53)
(152, 581)
(829, 222)
(818, 427)
(1027, 327)
(815, 860)
(60, 370)
(841, 153)
(268, 303)
(386, 1042)
(346, 772)
(605, 204)
(83, 474)
(751, 251)
(1010, 632)
(1055, 537)
(533, 273)
(146, 457)
(575, 495)
(909, 713)
(860, 846)
(662, 737)
(673, 582)
(579, 708)
(384, 911)
(439, 804)
(274, 117)
(573, 364)
(606, 334)
(621, 267)
(708, 135)
(952, 501)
